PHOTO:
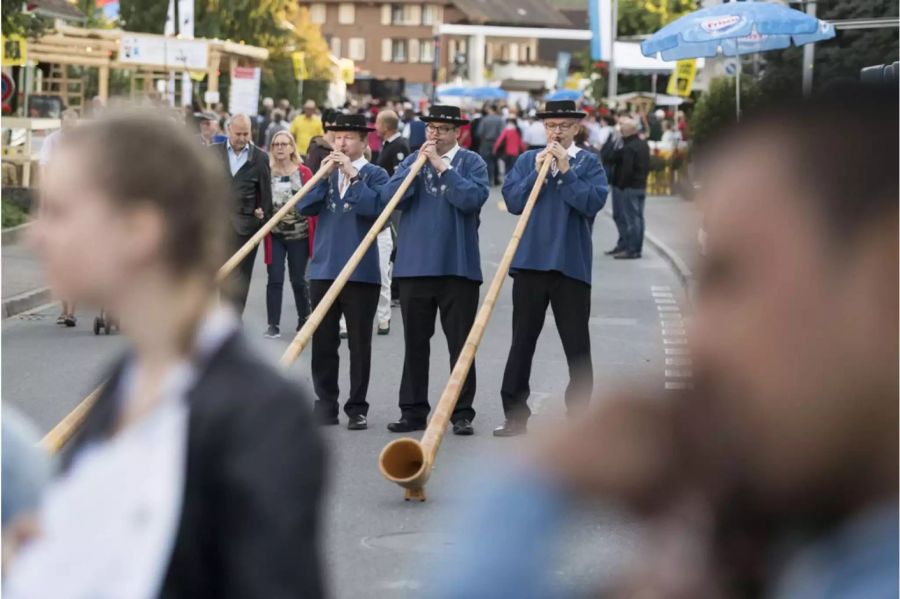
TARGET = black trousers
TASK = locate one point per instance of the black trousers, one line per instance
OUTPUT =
(421, 298)
(357, 302)
(237, 285)
(571, 302)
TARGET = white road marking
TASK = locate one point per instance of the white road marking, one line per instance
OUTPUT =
(678, 385)
(677, 351)
(679, 362)
(684, 373)
(679, 341)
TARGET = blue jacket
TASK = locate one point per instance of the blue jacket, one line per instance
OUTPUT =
(558, 235)
(343, 222)
(438, 232)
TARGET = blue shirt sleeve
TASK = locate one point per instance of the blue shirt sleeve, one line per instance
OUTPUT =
(586, 192)
(365, 195)
(311, 204)
(518, 184)
(467, 194)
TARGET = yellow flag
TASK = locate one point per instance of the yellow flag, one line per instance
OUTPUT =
(681, 81)
(15, 51)
(348, 70)
(298, 59)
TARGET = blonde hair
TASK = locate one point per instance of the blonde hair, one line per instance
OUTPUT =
(295, 158)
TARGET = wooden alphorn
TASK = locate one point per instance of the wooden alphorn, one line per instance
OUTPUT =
(408, 462)
(315, 318)
(251, 243)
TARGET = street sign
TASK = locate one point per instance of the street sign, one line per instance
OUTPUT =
(244, 93)
(730, 68)
(161, 51)
(9, 87)
(298, 60)
(15, 51)
(681, 81)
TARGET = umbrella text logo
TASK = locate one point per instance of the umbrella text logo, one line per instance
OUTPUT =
(722, 25)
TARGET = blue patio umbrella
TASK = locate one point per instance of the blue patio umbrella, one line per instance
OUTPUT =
(477, 93)
(733, 29)
(564, 94)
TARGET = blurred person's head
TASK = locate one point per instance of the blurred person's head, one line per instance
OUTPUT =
(118, 222)
(609, 120)
(209, 125)
(283, 147)
(239, 131)
(795, 335)
(351, 134)
(69, 118)
(386, 123)
(309, 108)
(581, 134)
(627, 126)
(277, 115)
(268, 104)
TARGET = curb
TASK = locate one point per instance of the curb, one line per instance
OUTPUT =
(682, 270)
(13, 234)
(26, 301)
(676, 263)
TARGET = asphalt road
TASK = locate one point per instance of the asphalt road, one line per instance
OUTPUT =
(377, 545)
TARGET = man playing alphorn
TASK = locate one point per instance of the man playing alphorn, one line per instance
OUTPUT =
(438, 265)
(553, 263)
(347, 202)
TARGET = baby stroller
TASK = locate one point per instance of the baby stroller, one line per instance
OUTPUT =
(105, 322)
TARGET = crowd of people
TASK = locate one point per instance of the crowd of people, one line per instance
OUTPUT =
(178, 486)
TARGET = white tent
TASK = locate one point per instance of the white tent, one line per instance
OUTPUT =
(628, 57)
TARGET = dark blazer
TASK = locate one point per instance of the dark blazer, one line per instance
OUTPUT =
(249, 524)
(392, 154)
(633, 165)
(252, 187)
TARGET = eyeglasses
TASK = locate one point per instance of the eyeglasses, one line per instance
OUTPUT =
(282, 145)
(558, 126)
(439, 129)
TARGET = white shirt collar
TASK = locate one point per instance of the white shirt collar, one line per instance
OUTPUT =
(359, 163)
(230, 149)
(573, 150)
(394, 136)
(451, 153)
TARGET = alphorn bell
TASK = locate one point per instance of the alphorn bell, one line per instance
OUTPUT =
(251, 243)
(315, 318)
(408, 462)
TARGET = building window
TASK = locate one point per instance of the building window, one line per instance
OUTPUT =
(526, 53)
(346, 13)
(386, 48)
(317, 13)
(336, 46)
(398, 51)
(413, 50)
(406, 14)
(428, 15)
(396, 14)
(426, 50)
(356, 48)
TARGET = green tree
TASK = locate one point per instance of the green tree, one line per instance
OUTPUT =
(716, 108)
(841, 57)
(15, 21)
(143, 16)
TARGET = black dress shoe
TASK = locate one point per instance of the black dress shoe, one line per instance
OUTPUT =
(463, 428)
(615, 250)
(511, 428)
(405, 426)
(627, 256)
(357, 423)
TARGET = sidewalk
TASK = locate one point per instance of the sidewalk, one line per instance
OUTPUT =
(23, 286)
(675, 222)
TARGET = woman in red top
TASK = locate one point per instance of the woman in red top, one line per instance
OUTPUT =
(290, 239)
(509, 145)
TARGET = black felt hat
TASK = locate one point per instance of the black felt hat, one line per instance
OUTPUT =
(444, 114)
(350, 122)
(560, 109)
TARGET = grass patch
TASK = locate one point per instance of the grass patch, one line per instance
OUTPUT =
(13, 216)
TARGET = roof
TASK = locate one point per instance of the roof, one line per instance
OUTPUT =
(59, 9)
(522, 85)
(535, 13)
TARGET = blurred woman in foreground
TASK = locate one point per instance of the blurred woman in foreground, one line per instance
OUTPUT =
(197, 473)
